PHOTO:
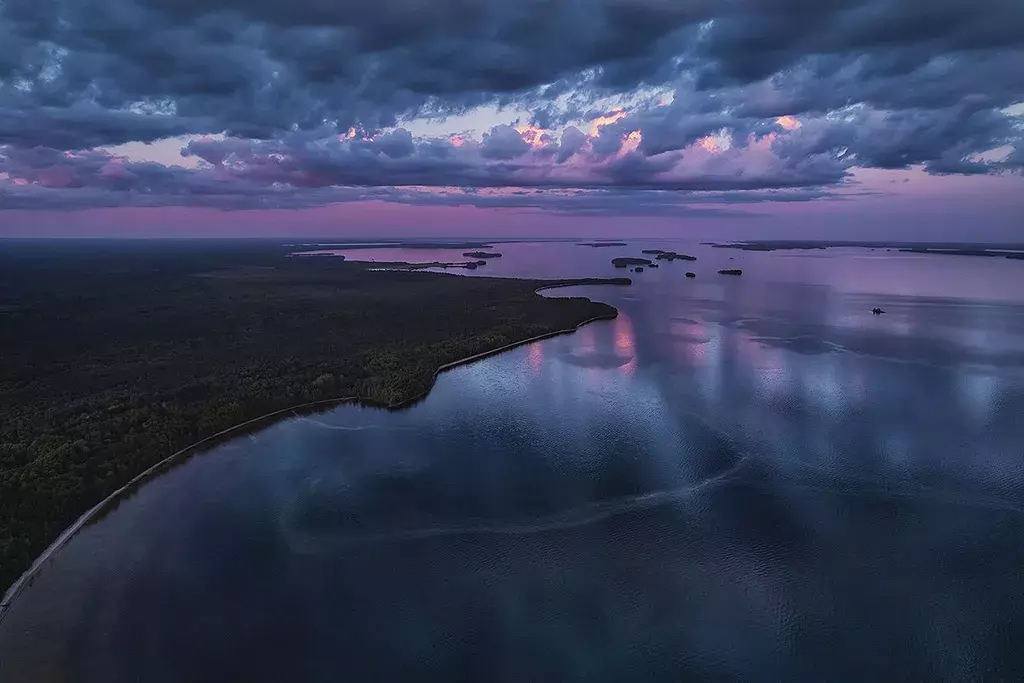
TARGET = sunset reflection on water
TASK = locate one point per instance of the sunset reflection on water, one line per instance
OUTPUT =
(625, 344)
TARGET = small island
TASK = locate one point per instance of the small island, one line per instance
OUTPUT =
(598, 245)
(638, 269)
(691, 275)
(482, 254)
(730, 271)
(627, 261)
(673, 256)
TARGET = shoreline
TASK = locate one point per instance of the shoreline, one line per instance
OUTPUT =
(25, 580)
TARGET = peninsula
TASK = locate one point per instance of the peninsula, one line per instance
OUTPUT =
(118, 354)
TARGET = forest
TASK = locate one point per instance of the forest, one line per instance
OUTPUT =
(116, 354)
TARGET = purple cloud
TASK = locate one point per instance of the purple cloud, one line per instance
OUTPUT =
(316, 102)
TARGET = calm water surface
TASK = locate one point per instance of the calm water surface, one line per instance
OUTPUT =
(738, 479)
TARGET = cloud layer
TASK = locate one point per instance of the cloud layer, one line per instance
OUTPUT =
(310, 102)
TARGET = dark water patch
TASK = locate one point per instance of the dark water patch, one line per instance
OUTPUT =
(605, 361)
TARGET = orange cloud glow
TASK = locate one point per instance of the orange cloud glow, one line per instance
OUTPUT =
(632, 142)
(788, 122)
(532, 134)
(710, 143)
(601, 121)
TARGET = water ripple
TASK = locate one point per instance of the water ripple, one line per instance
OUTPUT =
(302, 542)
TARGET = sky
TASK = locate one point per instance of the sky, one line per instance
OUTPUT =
(739, 119)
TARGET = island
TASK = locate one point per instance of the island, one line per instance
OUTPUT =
(638, 269)
(730, 271)
(673, 256)
(654, 265)
(602, 244)
(118, 355)
(691, 275)
(627, 261)
(482, 254)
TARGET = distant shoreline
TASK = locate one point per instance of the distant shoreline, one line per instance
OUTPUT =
(1008, 250)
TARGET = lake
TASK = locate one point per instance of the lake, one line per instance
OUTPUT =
(740, 478)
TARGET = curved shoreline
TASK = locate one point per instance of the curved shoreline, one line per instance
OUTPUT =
(25, 580)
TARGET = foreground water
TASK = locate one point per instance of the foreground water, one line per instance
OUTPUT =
(738, 479)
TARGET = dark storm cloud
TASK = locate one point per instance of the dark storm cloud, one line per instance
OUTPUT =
(939, 114)
(943, 140)
(260, 66)
(767, 36)
(395, 144)
(504, 142)
(83, 126)
(572, 142)
(874, 83)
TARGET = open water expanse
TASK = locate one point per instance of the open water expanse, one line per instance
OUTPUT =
(740, 478)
